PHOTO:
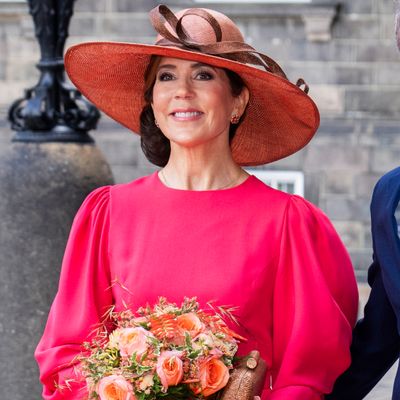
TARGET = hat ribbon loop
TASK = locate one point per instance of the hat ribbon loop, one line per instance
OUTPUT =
(301, 82)
(232, 50)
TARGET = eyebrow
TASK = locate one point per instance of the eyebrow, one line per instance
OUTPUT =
(193, 66)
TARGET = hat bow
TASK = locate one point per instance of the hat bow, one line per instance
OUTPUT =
(233, 50)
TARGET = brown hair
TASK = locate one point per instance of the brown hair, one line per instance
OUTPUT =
(155, 145)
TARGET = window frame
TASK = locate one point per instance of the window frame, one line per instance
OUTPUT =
(274, 177)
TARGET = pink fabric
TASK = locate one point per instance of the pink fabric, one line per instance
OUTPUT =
(274, 255)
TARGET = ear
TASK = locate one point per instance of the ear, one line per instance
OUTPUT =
(242, 100)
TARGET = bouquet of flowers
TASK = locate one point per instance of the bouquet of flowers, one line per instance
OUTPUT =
(164, 351)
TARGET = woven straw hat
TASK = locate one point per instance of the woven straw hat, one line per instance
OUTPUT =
(280, 117)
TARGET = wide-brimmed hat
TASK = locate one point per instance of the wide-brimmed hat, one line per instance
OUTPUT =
(280, 117)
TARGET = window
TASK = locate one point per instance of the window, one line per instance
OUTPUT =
(288, 181)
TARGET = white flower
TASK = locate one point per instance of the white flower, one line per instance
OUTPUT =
(146, 383)
(203, 340)
(114, 338)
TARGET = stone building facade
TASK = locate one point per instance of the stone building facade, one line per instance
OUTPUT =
(345, 50)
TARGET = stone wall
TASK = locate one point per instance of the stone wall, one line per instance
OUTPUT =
(347, 53)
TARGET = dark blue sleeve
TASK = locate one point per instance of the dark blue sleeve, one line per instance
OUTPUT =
(376, 341)
(385, 235)
(375, 345)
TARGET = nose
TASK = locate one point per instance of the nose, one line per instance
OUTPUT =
(184, 89)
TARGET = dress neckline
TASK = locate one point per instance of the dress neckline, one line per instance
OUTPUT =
(161, 184)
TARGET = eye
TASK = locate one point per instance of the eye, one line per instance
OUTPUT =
(165, 76)
(204, 75)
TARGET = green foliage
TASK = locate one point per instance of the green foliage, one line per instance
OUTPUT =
(94, 396)
(189, 305)
(180, 392)
(102, 362)
(137, 367)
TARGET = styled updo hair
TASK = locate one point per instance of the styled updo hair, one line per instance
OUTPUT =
(155, 145)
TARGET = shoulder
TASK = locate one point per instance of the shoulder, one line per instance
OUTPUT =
(291, 204)
(390, 177)
(387, 184)
(261, 191)
(385, 200)
(133, 196)
(105, 196)
(96, 201)
(100, 194)
(385, 196)
(138, 184)
(306, 217)
(291, 209)
(113, 200)
(133, 188)
(309, 225)
(300, 205)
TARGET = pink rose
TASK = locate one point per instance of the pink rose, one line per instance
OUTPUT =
(170, 368)
(133, 340)
(190, 323)
(115, 387)
(214, 375)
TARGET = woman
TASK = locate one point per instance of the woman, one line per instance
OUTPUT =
(202, 226)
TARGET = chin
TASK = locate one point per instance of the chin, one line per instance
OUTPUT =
(192, 136)
(187, 139)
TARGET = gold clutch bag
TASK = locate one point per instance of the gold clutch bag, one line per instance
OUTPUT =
(247, 379)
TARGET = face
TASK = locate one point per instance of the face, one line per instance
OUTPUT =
(193, 102)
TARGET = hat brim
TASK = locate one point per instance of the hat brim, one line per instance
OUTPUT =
(280, 118)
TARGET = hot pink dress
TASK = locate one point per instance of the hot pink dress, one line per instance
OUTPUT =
(274, 255)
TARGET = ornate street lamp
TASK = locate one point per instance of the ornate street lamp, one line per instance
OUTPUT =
(52, 110)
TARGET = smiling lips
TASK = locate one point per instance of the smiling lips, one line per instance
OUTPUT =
(186, 115)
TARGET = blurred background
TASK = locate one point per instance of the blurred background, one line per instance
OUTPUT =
(345, 50)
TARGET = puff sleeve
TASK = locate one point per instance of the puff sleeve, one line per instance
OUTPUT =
(315, 306)
(83, 297)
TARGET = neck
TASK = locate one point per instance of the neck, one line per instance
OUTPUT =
(201, 169)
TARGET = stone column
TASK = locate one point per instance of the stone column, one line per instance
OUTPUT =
(45, 173)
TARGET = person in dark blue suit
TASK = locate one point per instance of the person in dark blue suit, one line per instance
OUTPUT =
(376, 337)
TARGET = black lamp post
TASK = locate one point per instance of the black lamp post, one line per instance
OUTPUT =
(52, 110)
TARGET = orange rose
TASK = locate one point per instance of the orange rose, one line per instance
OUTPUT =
(170, 368)
(115, 387)
(214, 375)
(133, 340)
(190, 323)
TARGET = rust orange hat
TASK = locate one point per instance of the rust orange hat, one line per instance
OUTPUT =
(280, 117)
